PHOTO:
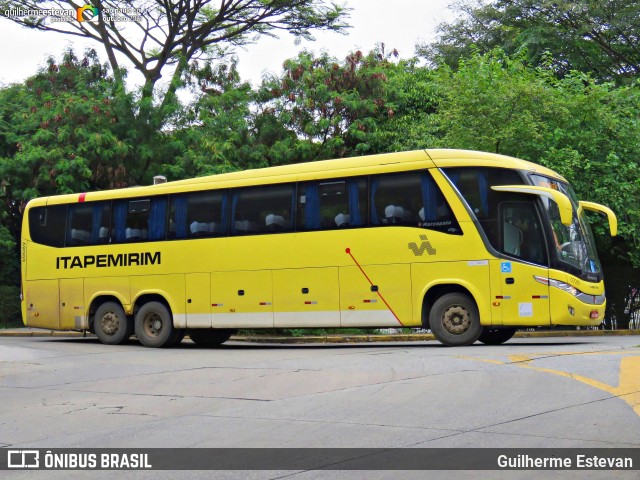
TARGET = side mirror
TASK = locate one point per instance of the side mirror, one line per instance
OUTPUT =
(596, 207)
(564, 204)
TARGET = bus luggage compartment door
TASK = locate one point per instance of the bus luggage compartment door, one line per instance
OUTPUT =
(375, 295)
(72, 308)
(242, 299)
(42, 304)
(198, 294)
(306, 297)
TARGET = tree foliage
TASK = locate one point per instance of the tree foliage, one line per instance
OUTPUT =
(163, 38)
(318, 107)
(331, 108)
(63, 130)
(597, 37)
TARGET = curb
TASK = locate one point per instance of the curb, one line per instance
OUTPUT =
(421, 337)
(335, 338)
(29, 332)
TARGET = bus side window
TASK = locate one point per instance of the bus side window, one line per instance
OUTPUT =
(332, 204)
(47, 225)
(410, 199)
(394, 199)
(200, 214)
(88, 223)
(435, 213)
(265, 209)
(140, 219)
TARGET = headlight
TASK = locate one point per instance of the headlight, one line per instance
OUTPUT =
(558, 284)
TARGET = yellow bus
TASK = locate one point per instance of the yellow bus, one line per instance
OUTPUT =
(467, 244)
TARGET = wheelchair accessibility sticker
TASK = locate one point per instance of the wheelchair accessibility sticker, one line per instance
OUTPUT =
(505, 267)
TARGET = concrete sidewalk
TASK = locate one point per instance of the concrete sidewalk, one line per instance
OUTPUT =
(334, 338)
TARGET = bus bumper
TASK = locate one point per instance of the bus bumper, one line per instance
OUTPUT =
(570, 310)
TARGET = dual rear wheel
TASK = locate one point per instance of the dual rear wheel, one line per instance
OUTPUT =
(111, 325)
(152, 325)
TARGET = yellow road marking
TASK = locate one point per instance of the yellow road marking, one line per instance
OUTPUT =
(628, 388)
(485, 360)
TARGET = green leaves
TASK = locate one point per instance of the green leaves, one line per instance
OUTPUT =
(584, 130)
(599, 38)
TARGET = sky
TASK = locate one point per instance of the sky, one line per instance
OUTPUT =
(399, 24)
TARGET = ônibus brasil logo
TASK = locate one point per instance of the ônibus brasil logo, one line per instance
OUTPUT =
(88, 13)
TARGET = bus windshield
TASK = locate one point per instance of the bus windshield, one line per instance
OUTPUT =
(574, 243)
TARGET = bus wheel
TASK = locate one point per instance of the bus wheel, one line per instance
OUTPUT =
(210, 337)
(496, 335)
(154, 325)
(454, 320)
(111, 325)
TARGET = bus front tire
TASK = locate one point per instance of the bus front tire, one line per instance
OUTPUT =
(154, 326)
(111, 325)
(210, 337)
(454, 320)
(496, 335)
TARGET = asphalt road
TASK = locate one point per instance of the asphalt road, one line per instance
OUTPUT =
(581, 392)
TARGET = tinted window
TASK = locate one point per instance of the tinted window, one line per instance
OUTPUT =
(201, 214)
(410, 199)
(262, 209)
(88, 223)
(521, 232)
(47, 225)
(474, 183)
(332, 204)
(140, 219)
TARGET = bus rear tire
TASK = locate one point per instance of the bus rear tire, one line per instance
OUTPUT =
(154, 325)
(210, 337)
(111, 325)
(454, 320)
(496, 335)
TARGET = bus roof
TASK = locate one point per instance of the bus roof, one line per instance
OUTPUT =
(353, 166)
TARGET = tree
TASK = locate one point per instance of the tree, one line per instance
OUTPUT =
(494, 103)
(64, 131)
(214, 134)
(586, 131)
(61, 131)
(364, 104)
(332, 106)
(599, 37)
(164, 38)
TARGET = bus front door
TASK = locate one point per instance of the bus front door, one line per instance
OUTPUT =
(517, 298)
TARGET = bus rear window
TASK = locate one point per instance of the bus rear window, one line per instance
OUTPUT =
(47, 225)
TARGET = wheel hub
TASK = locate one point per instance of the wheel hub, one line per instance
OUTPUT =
(153, 325)
(110, 323)
(456, 320)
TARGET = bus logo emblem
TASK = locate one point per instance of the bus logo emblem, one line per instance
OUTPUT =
(425, 245)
